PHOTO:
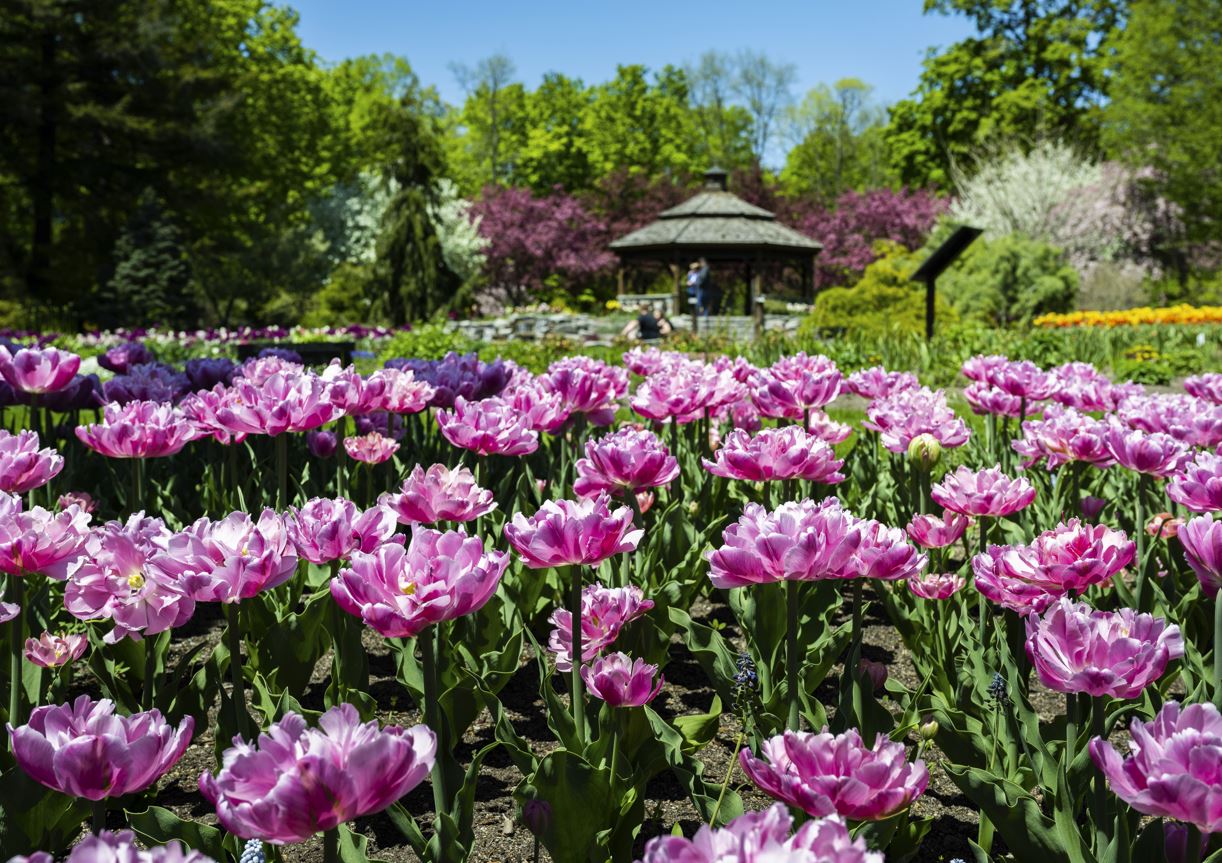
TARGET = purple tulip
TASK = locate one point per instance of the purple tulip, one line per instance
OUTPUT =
(231, 559)
(903, 415)
(1206, 386)
(108, 847)
(204, 373)
(1152, 453)
(296, 781)
(1172, 770)
(488, 427)
(984, 493)
(1202, 541)
(624, 462)
(39, 541)
(439, 494)
(325, 530)
(930, 531)
(83, 392)
(936, 585)
(1075, 649)
(23, 466)
(572, 533)
(1091, 507)
(1199, 486)
(439, 576)
(321, 444)
(822, 774)
(877, 382)
(148, 382)
(38, 370)
(605, 611)
(455, 375)
(621, 682)
(782, 453)
(55, 651)
(84, 750)
(139, 429)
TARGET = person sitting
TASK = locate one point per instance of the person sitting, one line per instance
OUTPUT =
(650, 324)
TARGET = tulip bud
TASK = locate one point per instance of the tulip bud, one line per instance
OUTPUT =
(925, 451)
(875, 671)
(1091, 507)
(693, 508)
(929, 729)
(322, 444)
(537, 816)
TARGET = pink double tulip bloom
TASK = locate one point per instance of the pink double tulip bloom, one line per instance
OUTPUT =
(439, 494)
(1062, 437)
(543, 410)
(572, 533)
(1023, 379)
(931, 585)
(587, 386)
(39, 541)
(784, 453)
(55, 651)
(296, 781)
(686, 393)
(624, 462)
(372, 448)
(23, 466)
(604, 612)
(824, 774)
(121, 847)
(399, 590)
(139, 429)
(794, 385)
(1207, 386)
(1202, 541)
(620, 681)
(1152, 453)
(324, 530)
(1193, 421)
(989, 400)
(229, 560)
(84, 749)
(38, 370)
(286, 401)
(931, 531)
(1199, 486)
(488, 427)
(876, 382)
(983, 493)
(905, 414)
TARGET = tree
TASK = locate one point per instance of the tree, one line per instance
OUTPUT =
(766, 89)
(1166, 110)
(555, 149)
(152, 278)
(1038, 68)
(491, 116)
(725, 128)
(1011, 280)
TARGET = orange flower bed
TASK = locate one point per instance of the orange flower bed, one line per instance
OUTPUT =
(1183, 314)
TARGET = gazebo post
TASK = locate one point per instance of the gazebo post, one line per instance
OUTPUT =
(749, 302)
(619, 282)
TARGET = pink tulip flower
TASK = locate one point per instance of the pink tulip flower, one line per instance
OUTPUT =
(760, 837)
(621, 682)
(39, 541)
(372, 448)
(1064, 436)
(229, 560)
(1076, 649)
(624, 462)
(572, 533)
(1025, 380)
(1206, 386)
(260, 370)
(1192, 421)
(1202, 541)
(587, 386)
(325, 530)
(285, 402)
(200, 410)
(121, 847)
(984, 493)
(824, 427)
(604, 612)
(23, 466)
(982, 369)
(295, 781)
(822, 774)
(884, 554)
(395, 391)
(38, 370)
(794, 385)
(985, 400)
(115, 579)
(1171, 771)
(930, 585)
(487, 427)
(903, 415)
(438, 576)
(1152, 453)
(542, 410)
(55, 651)
(649, 361)
(686, 393)
(80, 499)
(782, 453)
(800, 541)
(1199, 486)
(931, 531)
(1082, 387)
(877, 382)
(139, 429)
(84, 750)
(439, 494)
(8, 610)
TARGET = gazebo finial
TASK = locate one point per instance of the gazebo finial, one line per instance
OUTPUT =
(715, 179)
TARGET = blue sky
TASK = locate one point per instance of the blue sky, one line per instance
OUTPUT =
(880, 41)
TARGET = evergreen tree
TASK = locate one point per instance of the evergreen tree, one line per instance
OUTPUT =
(152, 278)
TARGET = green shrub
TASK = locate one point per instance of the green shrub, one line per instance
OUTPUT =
(1010, 280)
(426, 342)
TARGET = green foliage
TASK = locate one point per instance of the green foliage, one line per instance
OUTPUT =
(152, 277)
(425, 342)
(1010, 280)
(884, 301)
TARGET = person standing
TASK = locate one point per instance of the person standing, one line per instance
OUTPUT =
(708, 290)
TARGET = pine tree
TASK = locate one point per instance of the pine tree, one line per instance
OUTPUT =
(152, 277)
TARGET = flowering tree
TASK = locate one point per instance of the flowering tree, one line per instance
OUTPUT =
(462, 245)
(533, 241)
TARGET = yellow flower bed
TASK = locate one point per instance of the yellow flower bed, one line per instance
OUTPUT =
(1183, 314)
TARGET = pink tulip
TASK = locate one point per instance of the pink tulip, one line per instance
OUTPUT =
(296, 781)
(1206, 386)
(685, 393)
(800, 541)
(487, 427)
(39, 541)
(877, 382)
(8, 610)
(287, 401)
(38, 370)
(825, 428)
(439, 494)
(605, 611)
(930, 585)
(200, 410)
(54, 651)
(139, 430)
(984, 493)
(884, 554)
(115, 579)
(648, 361)
(1172, 770)
(1153, 453)
(1202, 541)
(1068, 559)
(1081, 386)
(372, 448)
(439, 576)
(1199, 486)
(121, 847)
(986, 400)
(782, 453)
(79, 499)
(1075, 649)
(1189, 420)
(1163, 525)
(763, 837)
(930, 531)
(260, 370)
(903, 415)
(822, 774)
(542, 410)
(794, 385)
(231, 559)
(23, 466)
(572, 533)
(587, 386)
(326, 530)
(982, 369)
(621, 682)
(624, 462)
(1062, 437)
(83, 749)
(395, 391)
(1025, 380)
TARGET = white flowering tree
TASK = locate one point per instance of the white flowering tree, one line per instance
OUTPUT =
(462, 245)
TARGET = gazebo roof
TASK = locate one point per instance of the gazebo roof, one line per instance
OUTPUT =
(718, 223)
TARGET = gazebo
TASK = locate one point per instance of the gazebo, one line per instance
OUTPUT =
(720, 227)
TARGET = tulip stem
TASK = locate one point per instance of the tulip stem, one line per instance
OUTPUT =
(1071, 728)
(792, 674)
(1192, 847)
(432, 715)
(1139, 528)
(575, 688)
(150, 671)
(855, 656)
(99, 816)
(282, 471)
(137, 475)
(16, 586)
(1102, 823)
(234, 637)
(330, 845)
(1218, 650)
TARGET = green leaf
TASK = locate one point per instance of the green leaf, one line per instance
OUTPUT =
(582, 805)
(157, 826)
(699, 729)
